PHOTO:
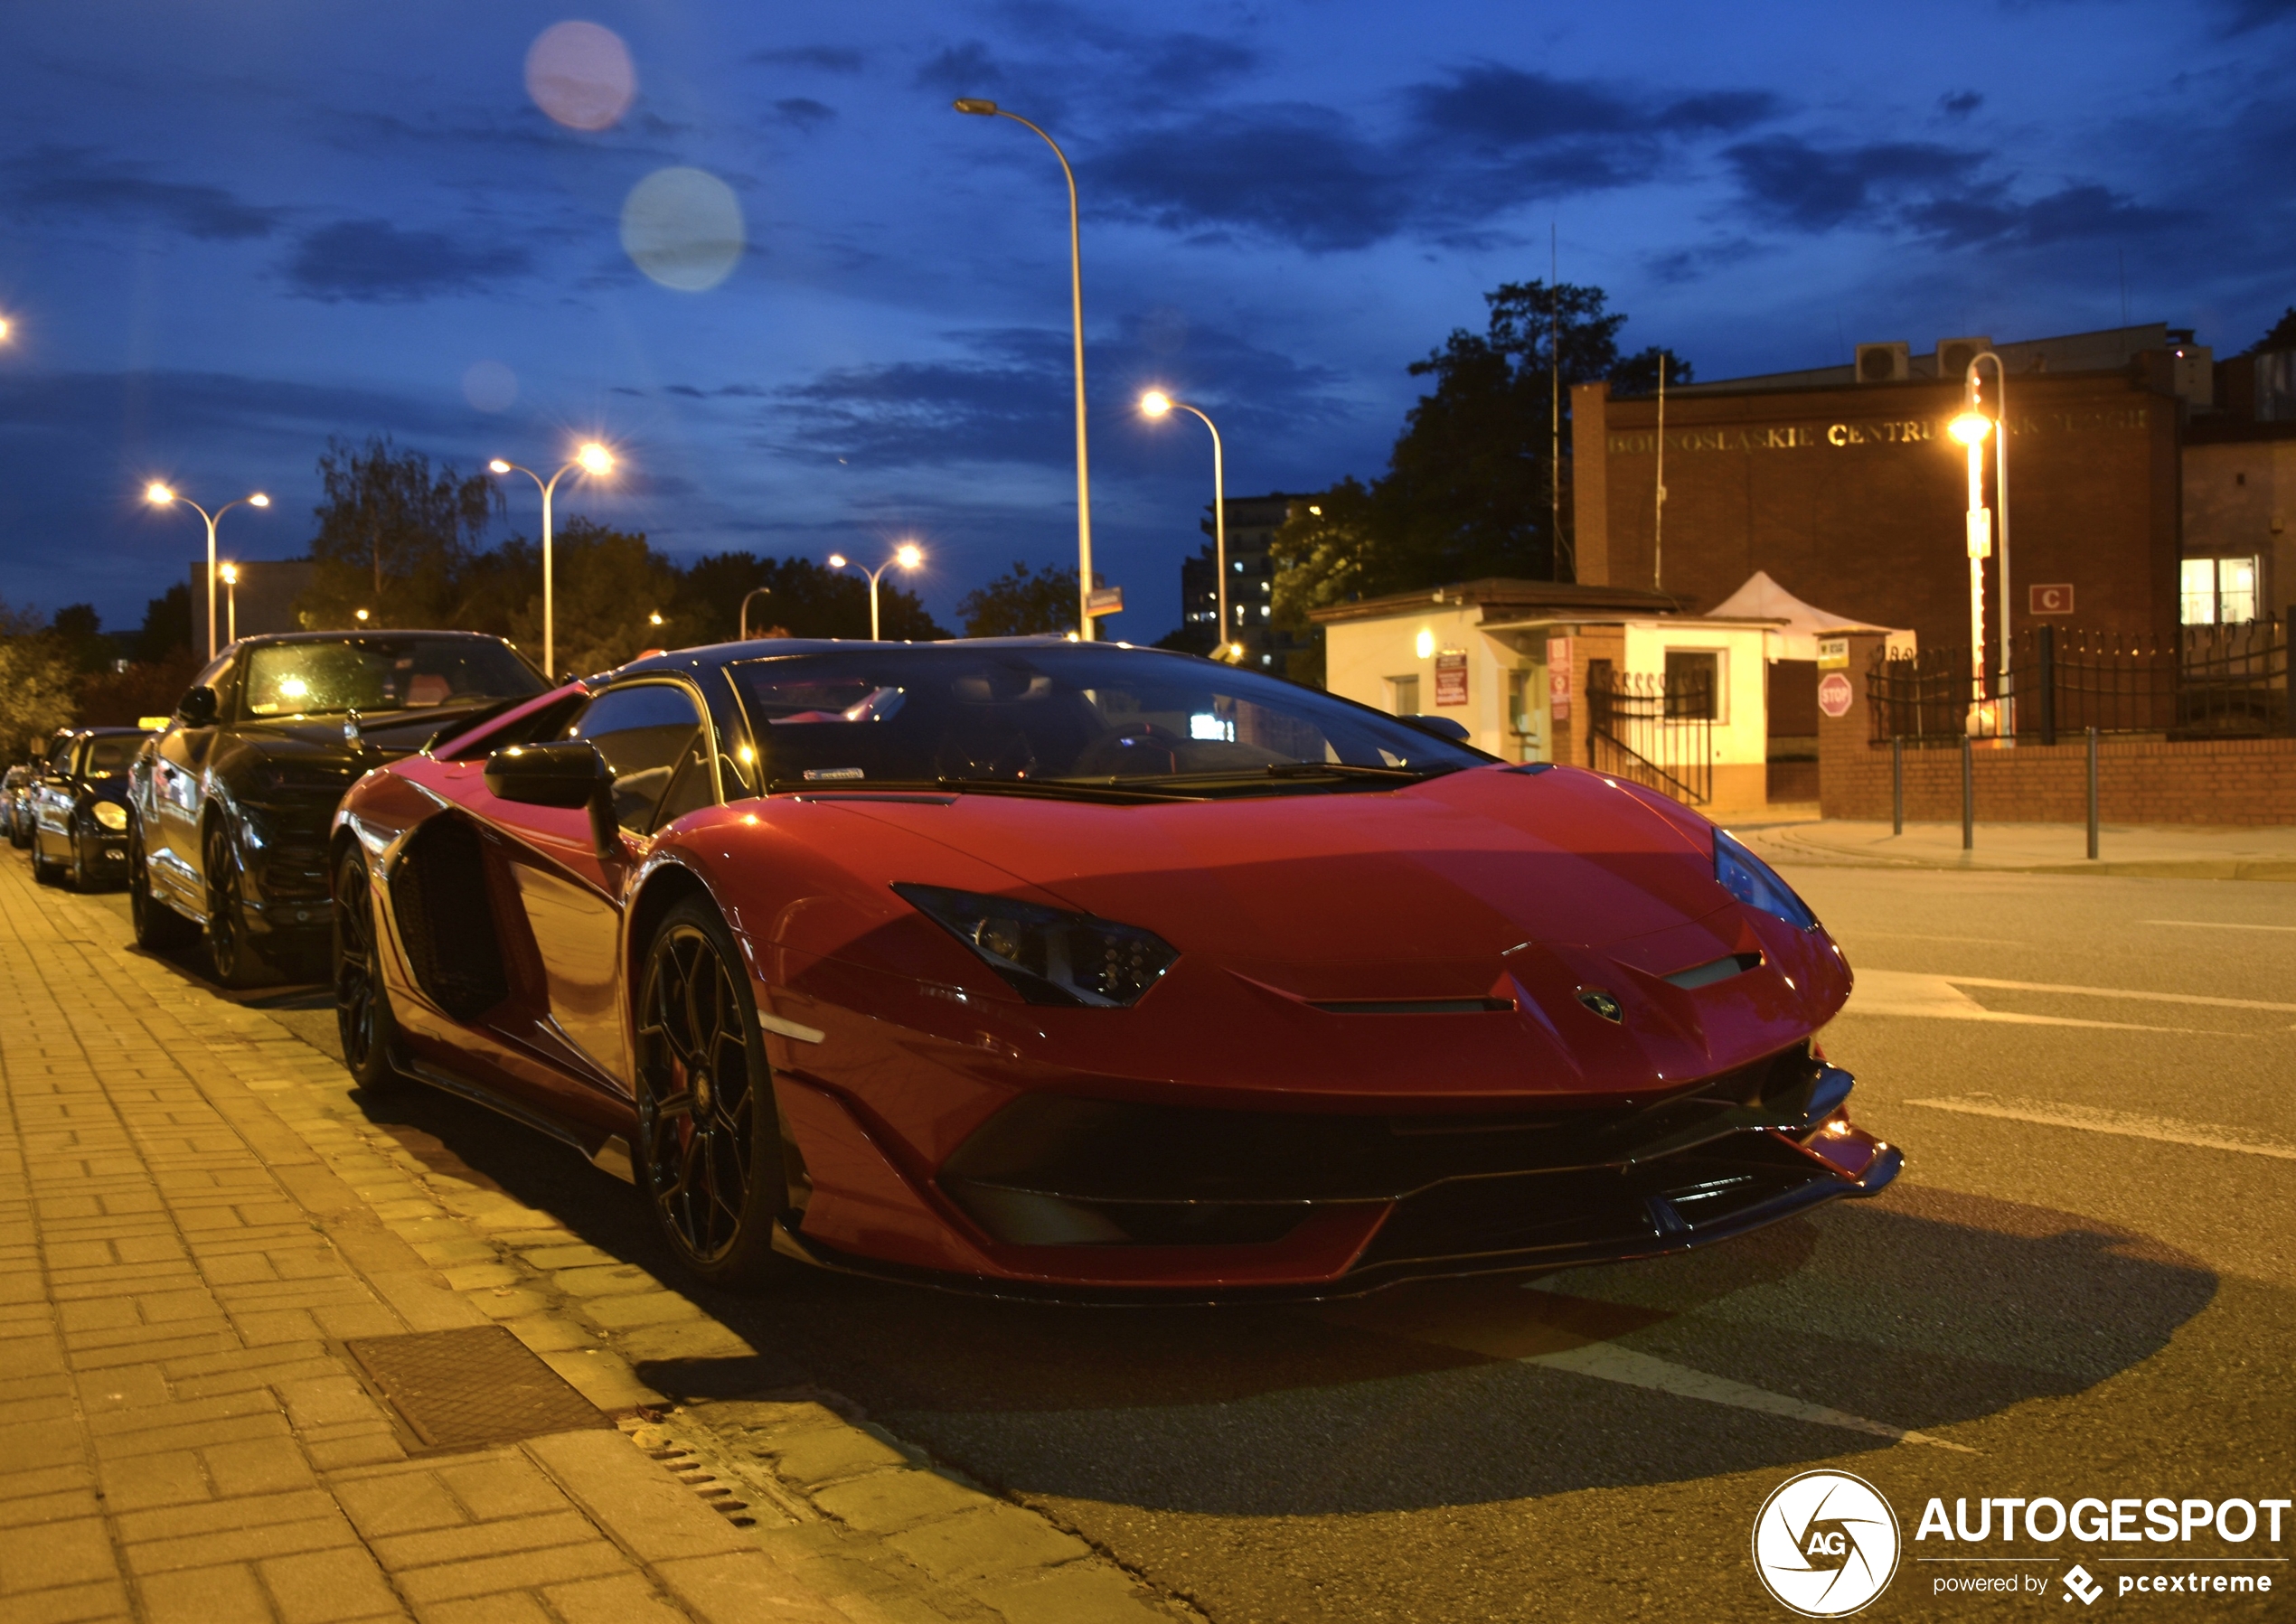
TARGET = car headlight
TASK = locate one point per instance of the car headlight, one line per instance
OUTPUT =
(1049, 955)
(110, 814)
(1756, 884)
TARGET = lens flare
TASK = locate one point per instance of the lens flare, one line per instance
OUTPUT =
(490, 385)
(683, 228)
(580, 74)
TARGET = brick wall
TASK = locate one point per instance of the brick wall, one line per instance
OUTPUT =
(2140, 780)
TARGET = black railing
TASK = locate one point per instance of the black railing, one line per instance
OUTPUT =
(2227, 682)
(1653, 732)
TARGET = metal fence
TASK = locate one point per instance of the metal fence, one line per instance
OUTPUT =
(2228, 681)
(1652, 730)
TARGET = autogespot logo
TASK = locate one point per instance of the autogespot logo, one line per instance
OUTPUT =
(1825, 1544)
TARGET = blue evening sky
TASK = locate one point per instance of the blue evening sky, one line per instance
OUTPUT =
(235, 227)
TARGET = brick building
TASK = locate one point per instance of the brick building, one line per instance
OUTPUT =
(1842, 484)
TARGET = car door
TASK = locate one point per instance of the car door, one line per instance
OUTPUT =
(52, 800)
(179, 791)
(651, 736)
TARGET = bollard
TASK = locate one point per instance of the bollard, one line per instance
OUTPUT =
(2092, 794)
(1968, 794)
(1898, 784)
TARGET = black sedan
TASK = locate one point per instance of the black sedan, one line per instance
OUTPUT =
(230, 812)
(78, 806)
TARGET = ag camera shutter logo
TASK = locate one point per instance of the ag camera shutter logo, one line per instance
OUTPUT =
(1825, 1544)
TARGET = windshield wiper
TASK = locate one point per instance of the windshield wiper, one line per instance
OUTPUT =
(1280, 771)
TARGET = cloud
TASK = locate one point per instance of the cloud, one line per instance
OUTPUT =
(804, 112)
(2067, 215)
(373, 261)
(823, 59)
(1511, 108)
(960, 69)
(1793, 184)
(1959, 104)
(1296, 172)
(63, 182)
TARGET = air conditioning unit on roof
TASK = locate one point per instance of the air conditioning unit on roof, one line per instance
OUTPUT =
(1884, 364)
(1954, 354)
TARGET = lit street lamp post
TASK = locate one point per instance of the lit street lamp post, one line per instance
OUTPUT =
(1971, 429)
(1972, 392)
(1085, 630)
(1155, 403)
(753, 592)
(592, 459)
(231, 603)
(160, 496)
(908, 555)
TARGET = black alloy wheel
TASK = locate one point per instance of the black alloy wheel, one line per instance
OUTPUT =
(362, 1018)
(709, 1152)
(227, 947)
(158, 928)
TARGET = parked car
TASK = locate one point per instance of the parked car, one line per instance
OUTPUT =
(16, 804)
(230, 808)
(78, 806)
(1081, 970)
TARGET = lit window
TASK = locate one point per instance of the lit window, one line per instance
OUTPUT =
(1693, 684)
(1204, 725)
(2217, 591)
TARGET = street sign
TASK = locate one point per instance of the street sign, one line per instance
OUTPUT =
(1558, 678)
(1834, 653)
(2049, 600)
(1105, 600)
(1835, 696)
(1451, 677)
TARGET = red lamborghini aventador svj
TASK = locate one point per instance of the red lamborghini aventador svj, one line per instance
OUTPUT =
(1088, 972)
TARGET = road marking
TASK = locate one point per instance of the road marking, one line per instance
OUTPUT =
(1608, 1362)
(2127, 1125)
(1932, 936)
(2218, 924)
(1911, 992)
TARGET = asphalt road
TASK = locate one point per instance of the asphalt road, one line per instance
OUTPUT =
(2084, 1284)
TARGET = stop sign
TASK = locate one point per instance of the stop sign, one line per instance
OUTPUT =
(1835, 695)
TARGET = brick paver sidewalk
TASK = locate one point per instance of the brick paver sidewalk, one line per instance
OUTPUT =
(193, 1222)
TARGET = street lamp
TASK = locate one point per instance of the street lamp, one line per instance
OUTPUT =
(1970, 429)
(753, 592)
(1155, 403)
(160, 496)
(908, 555)
(989, 110)
(231, 603)
(1972, 392)
(592, 458)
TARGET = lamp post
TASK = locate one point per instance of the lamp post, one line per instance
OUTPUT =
(1155, 403)
(1970, 429)
(592, 458)
(160, 496)
(231, 603)
(1085, 630)
(1971, 393)
(753, 592)
(908, 555)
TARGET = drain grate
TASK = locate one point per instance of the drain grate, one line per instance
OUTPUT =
(477, 1385)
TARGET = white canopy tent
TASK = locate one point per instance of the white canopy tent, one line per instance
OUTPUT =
(1801, 624)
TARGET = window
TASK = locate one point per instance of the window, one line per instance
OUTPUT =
(2218, 591)
(647, 732)
(1403, 695)
(1693, 685)
(318, 677)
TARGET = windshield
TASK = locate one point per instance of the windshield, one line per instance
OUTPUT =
(111, 755)
(1065, 714)
(383, 673)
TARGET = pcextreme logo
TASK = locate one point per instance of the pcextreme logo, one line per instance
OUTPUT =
(1825, 1544)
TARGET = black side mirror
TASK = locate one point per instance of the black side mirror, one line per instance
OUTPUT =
(566, 772)
(1441, 727)
(198, 707)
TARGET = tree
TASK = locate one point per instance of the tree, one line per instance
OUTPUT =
(1021, 601)
(35, 682)
(2282, 335)
(393, 535)
(109, 699)
(805, 599)
(167, 627)
(610, 586)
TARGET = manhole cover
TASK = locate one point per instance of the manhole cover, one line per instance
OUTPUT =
(477, 1385)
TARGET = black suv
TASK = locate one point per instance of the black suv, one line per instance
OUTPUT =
(230, 810)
